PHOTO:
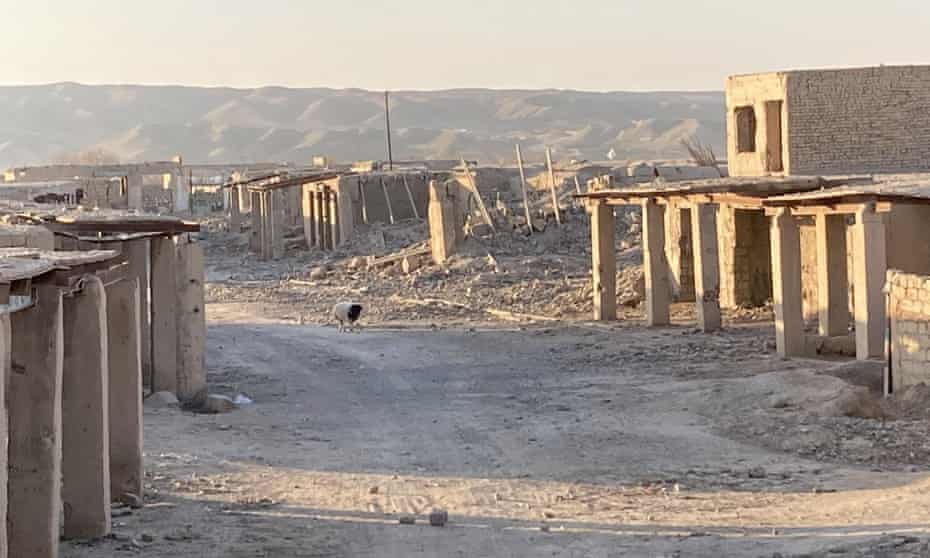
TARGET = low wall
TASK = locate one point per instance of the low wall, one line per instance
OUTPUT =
(909, 311)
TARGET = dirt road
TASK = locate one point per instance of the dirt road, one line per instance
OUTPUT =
(576, 441)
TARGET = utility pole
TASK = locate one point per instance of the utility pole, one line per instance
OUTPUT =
(387, 119)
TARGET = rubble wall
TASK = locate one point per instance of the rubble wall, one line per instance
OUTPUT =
(861, 120)
(909, 309)
(744, 252)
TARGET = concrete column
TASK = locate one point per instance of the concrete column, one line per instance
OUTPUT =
(235, 216)
(604, 262)
(786, 284)
(34, 399)
(164, 315)
(279, 222)
(441, 222)
(265, 227)
(655, 266)
(832, 282)
(125, 387)
(706, 266)
(326, 231)
(85, 413)
(869, 267)
(319, 219)
(334, 219)
(182, 193)
(346, 214)
(134, 192)
(6, 356)
(255, 236)
(192, 325)
(137, 252)
(308, 216)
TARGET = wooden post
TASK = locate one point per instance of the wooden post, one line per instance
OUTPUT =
(526, 200)
(706, 264)
(655, 265)
(34, 511)
(164, 314)
(413, 205)
(786, 284)
(125, 387)
(191, 325)
(361, 195)
(387, 200)
(552, 188)
(604, 261)
(474, 190)
(85, 413)
(832, 281)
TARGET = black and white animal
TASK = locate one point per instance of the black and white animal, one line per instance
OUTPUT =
(347, 314)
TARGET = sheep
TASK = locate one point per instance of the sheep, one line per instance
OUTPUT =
(347, 313)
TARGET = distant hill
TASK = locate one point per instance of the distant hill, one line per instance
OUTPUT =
(41, 123)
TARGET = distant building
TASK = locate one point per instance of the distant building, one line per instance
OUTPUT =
(846, 121)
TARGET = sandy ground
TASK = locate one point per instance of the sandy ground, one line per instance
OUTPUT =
(576, 441)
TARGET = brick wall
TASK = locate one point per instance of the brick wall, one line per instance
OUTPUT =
(909, 309)
(744, 249)
(859, 120)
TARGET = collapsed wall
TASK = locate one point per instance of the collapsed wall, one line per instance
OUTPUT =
(909, 312)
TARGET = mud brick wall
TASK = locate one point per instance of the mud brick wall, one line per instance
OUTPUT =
(909, 309)
(859, 120)
(743, 249)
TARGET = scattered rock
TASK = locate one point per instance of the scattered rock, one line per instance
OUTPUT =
(162, 400)
(407, 520)
(317, 273)
(132, 500)
(373, 490)
(438, 517)
(757, 473)
(779, 401)
(146, 538)
(216, 404)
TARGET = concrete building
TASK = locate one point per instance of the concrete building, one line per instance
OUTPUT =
(829, 122)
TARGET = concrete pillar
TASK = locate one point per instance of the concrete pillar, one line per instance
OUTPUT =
(326, 231)
(319, 219)
(125, 387)
(655, 266)
(235, 216)
(182, 193)
(706, 266)
(265, 226)
(134, 192)
(255, 235)
(832, 281)
(309, 218)
(442, 222)
(604, 262)
(786, 284)
(34, 399)
(278, 221)
(346, 214)
(869, 267)
(85, 413)
(6, 356)
(164, 315)
(334, 219)
(137, 252)
(192, 325)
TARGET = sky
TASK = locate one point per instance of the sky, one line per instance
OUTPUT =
(598, 45)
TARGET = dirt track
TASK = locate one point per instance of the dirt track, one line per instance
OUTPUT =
(575, 441)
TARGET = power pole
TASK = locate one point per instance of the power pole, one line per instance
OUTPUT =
(387, 119)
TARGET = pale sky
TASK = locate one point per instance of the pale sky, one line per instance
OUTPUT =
(439, 44)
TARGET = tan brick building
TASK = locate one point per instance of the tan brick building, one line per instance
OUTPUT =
(846, 121)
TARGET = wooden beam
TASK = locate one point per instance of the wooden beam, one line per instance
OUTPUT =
(552, 188)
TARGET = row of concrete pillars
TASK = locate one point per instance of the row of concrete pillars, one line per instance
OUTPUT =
(321, 218)
(75, 412)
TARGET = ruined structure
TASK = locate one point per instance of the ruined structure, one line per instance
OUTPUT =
(909, 316)
(829, 122)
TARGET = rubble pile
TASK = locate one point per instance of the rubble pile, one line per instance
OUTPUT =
(512, 273)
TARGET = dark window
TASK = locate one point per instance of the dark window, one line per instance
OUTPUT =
(745, 130)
